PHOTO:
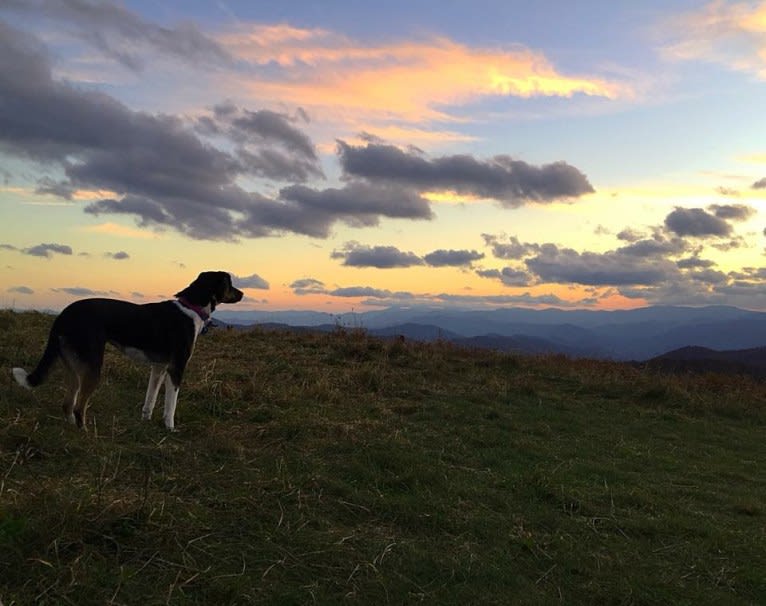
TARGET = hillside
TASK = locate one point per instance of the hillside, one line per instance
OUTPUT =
(701, 359)
(338, 467)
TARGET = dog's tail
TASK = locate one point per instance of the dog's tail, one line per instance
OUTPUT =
(38, 375)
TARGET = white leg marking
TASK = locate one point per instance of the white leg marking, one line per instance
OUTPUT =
(152, 390)
(72, 419)
(171, 398)
(21, 377)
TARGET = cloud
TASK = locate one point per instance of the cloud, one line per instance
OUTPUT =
(452, 258)
(22, 290)
(732, 212)
(118, 256)
(511, 182)
(8, 247)
(267, 143)
(613, 268)
(654, 247)
(308, 286)
(60, 189)
(423, 77)
(697, 223)
(164, 174)
(513, 249)
(731, 34)
(508, 276)
(694, 263)
(124, 36)
(387, 257)
(382, 257)
(760, 184)
(47, 250)
(251, 281)
(629, 235)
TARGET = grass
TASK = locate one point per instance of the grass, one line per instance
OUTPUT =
(338, 468)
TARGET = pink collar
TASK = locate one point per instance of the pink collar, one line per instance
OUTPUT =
(195, 308)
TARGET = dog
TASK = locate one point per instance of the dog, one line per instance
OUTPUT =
(160, 334)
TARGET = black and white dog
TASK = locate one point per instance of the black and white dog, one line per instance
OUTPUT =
(161, 334)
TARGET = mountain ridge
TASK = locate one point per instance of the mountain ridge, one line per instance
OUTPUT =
(638, 334)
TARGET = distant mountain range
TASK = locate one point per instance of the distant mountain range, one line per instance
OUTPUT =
(637, 334)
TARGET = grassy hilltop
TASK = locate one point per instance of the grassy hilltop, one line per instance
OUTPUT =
(338, 468)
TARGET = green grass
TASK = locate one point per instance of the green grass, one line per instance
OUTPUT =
(344, 469)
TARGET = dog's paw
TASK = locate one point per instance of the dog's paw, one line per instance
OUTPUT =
(21, 377)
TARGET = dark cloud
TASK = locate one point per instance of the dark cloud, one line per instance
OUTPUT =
(251, 281)
(360, 202)
(629, 235)
(654, 247)
(382, 257)
(11, 247)
(22, 290)
(268, 145)
(452, 258)
(47, 250)
(737, 242)
(760, 184)
(696, 222)
(265, 125)
(613, 268)
(123, 35)
(308, 286)
(60, 189)
(694, 263)
(118, 256)
(513, 249)
(512, 182)
(166, 175)
(708, 276)
(304, 210)
(508, 276)
(732, 212)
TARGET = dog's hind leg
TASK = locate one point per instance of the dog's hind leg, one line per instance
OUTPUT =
(72, 392)
(83, 359)
(171, 399)
(156, 378)
(88, 383)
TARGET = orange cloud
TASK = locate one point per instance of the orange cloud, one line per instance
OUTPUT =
(409, 81)
(728, 33)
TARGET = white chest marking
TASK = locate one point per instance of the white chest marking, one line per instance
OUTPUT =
(198, 323)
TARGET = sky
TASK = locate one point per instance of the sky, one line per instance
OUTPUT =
(351, 156)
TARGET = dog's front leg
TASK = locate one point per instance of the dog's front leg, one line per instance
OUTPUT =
(171, 399)
(152, 391)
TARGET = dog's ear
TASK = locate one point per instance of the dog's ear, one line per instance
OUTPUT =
(211, 287)
(201, 290)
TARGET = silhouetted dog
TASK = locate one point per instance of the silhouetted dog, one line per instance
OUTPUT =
(161, 334)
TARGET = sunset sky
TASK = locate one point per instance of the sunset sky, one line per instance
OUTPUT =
(347, 155)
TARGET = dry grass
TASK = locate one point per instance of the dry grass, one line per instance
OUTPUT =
(336, 468)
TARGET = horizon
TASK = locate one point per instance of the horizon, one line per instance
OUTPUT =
(352, 158)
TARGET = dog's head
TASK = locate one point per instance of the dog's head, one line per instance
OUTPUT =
(211, 288)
